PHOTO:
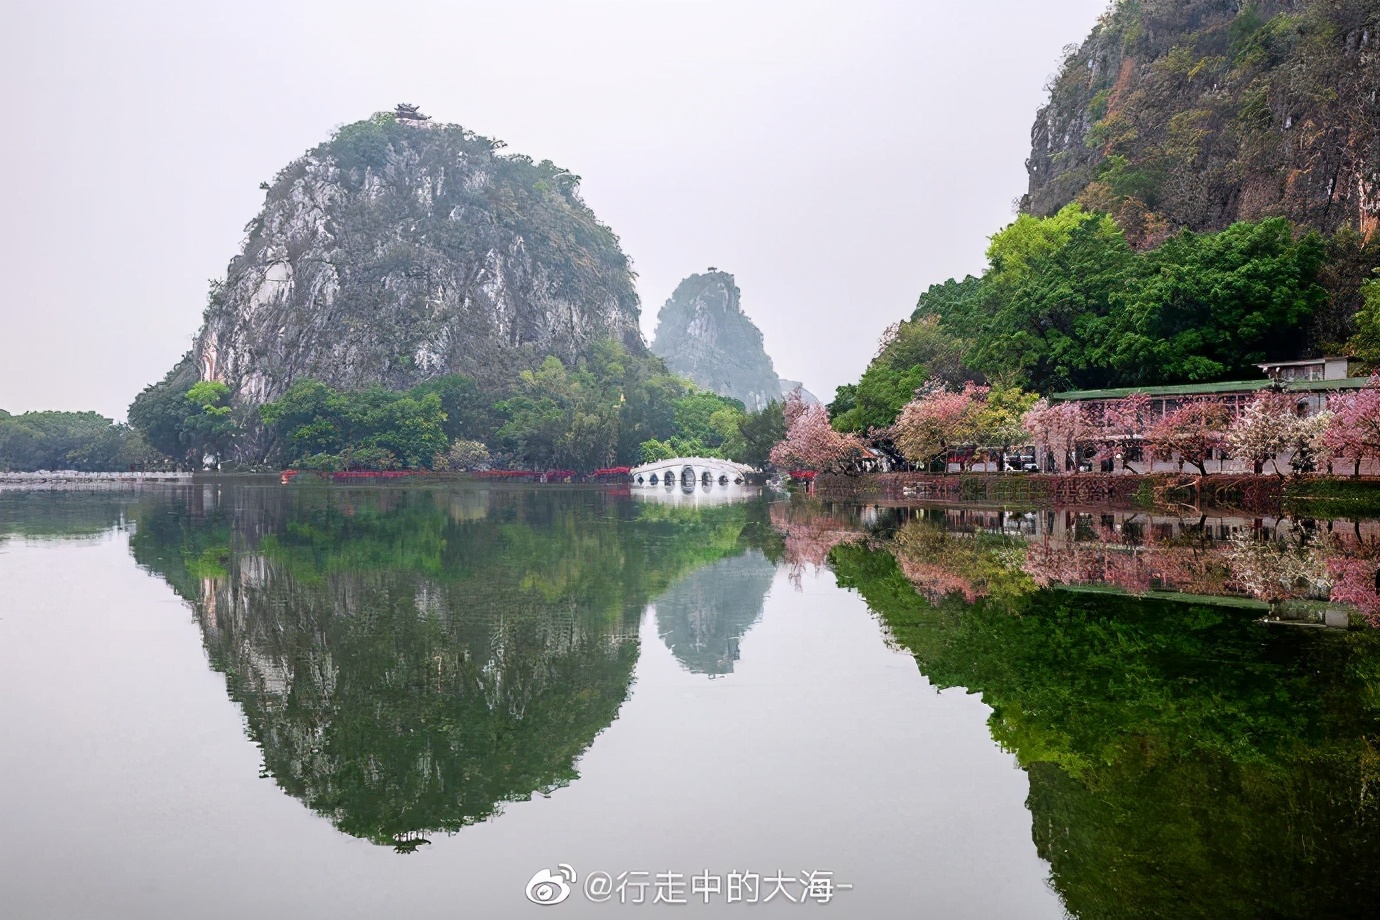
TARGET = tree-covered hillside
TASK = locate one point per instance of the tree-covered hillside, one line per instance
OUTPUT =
(1201, 113)
(611, 407)
(401, 250)
(1197, 114)
(1066, 302)
(1204, 196)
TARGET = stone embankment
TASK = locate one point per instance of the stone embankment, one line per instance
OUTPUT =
(1246, 491)
(72, 480)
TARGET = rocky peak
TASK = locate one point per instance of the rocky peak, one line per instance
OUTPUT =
(702, 333)
(403, 249)
(1199, 113)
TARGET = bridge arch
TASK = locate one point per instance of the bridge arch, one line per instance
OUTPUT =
(689, 472)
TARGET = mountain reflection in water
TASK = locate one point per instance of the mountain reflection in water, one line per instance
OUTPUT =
(702, 618)
(410, 660)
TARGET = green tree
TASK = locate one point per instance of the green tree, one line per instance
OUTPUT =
(653, 450)
(373, 428)
(1046, 298)
(1067, 303)
(468, 409)
(1000, 418)
(643, 390)
(760, 431)
(1210, 306)
(955, 305)
(81, 441)
(706, 417)
(911, 353)
(1365, 344)
(209, 427)
(559, 418)
(307, 419)
(159, 413)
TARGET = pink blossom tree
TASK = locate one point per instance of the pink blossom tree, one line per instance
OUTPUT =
(1123, 423)
(809, 534)
(794, 407)
(1263, 430)
(1192, 431)
(811, 443)
(1059, 428)
(1354, 582)
(1354, 430)
(938, 419)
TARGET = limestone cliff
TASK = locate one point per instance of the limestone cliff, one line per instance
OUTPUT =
(401, 250)
(1199, 113)
(703, 334)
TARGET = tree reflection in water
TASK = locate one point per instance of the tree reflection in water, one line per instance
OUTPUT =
(41, 514)
(410, 660)
(1186, 758)
(1294, 567)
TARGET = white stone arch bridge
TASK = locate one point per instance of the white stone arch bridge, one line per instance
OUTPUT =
(689, 472)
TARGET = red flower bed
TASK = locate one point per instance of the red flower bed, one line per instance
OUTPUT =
(374, 474)
(533, 475)
(520, 475)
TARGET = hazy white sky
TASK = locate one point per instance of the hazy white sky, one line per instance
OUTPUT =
(836, 157)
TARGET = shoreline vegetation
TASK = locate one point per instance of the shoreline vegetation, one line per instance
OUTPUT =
(1316, 495)
(1319, 497)
(611, 410)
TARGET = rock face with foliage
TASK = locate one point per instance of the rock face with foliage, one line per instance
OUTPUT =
(1204, 197)
(702, 333)
(401, 251)
(1201, 113)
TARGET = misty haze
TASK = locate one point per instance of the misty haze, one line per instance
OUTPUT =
(909, 459)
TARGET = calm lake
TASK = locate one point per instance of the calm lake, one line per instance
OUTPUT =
(237, 699)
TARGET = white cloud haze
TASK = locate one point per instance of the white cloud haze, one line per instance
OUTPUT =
(838, 158)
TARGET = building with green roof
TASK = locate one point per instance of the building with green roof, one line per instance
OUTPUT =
(1313, 381)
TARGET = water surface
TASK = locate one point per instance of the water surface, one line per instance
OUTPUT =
(236, 700)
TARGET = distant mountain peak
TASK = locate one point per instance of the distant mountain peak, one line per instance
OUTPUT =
(702, 333)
